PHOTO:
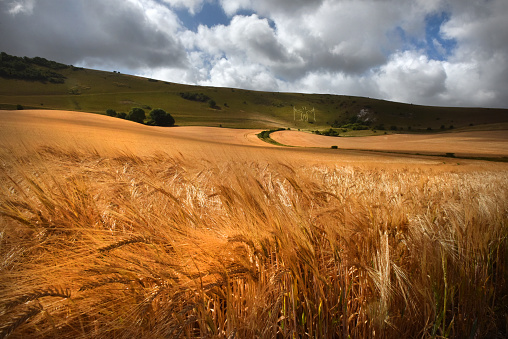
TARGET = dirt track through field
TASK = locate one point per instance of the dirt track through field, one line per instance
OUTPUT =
(28, 129)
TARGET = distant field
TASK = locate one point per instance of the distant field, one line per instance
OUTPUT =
(91, 130)
(29, 127)
(470, 144)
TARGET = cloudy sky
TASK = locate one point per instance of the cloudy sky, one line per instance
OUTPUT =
(435, 52)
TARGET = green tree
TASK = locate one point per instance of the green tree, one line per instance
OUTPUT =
(111, 112)
(212, 103)
(159, 117)
(136, 114)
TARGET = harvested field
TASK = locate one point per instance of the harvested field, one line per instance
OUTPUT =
(475, 143)
(101, 130)
(111, 229)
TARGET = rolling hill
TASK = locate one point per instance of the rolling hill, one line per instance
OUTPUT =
(41, 84)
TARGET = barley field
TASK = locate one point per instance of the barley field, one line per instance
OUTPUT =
(107, 243)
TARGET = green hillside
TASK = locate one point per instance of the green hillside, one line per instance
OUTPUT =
(39, 83)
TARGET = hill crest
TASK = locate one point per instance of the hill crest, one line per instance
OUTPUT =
(56, 86)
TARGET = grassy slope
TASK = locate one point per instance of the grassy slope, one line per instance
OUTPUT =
(95, 91)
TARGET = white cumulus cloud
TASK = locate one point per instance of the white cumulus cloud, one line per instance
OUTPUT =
(379, 48)
(408, 76)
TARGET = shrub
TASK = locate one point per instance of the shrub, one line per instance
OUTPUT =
(334, 147)
(356, 126)
(195, 96)
(136, 114)
(330, 132)
(212, 103)
(19, 107)
(122, 115)
(159, 117)
(111, 112)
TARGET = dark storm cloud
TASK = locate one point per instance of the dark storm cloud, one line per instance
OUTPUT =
(92, 32)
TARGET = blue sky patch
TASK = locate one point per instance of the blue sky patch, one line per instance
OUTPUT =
(434, 45)
(211, 14)
(437, 47)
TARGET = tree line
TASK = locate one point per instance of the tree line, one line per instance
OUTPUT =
(156, 117)
(33, 69)
(200, 97)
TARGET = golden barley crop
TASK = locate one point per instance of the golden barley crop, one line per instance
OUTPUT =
(124, 246)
